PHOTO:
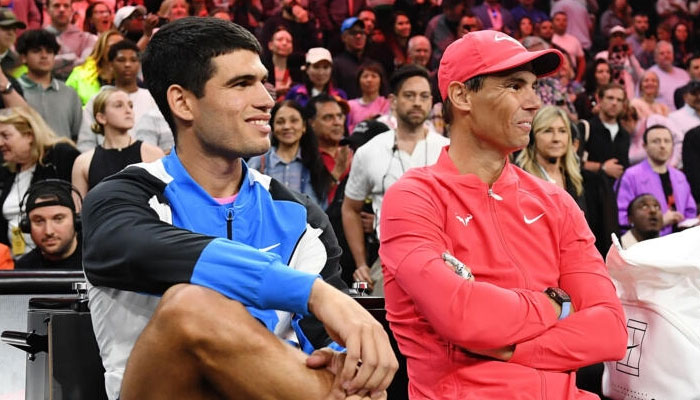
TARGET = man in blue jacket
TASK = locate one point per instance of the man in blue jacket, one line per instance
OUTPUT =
(235, 255)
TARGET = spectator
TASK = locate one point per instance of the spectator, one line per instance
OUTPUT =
(624, 66)
(527, 9)
(9, 24)
(96, 71)
(468, 23)
(57, 103)
(664, 32)
(525, 28)
(551, 152)
(298, 22)
(293, 158)
(495, 17)
(597, 76)
(580, 24)
(120, 223)
(694, 73)
(419, 51)
(369, 18)
(645, 105)
(221, 13)
(546, 31)
(683, 119)
(619, 13)
(27, 12)
(76, 45)
(98, 18)
(357, 50)
(331, 15)
(645, 220)
(32, 152)
(606, 155)
(125, 63)
(670, 77)
(51, 218)
(640, 34)
(683, 45)
(383, 160)
(691, 160)
(284, 66)
(397, 38)
(114, 116)
(560, 89)
(317, 79)
(507, 339)
(327, 121)
(653, 175)
(420, 12)
(130, 21)
(372, 82)
(569, 43)
(442, 28)
(172, 10)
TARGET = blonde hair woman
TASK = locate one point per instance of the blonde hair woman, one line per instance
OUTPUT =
(114, 116)
(90, 76)
(551, 155)
(31, 152)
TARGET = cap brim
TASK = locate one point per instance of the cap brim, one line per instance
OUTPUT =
(13, 24)
(544, 62)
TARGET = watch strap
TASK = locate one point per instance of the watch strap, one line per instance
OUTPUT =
(565, 309)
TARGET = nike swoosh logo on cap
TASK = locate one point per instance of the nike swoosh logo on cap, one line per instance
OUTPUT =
(500, 36)
(268, 248)
(530, 221)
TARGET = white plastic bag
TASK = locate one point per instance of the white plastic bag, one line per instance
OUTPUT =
(658, 282)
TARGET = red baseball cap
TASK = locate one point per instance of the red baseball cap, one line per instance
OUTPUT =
(488, 52)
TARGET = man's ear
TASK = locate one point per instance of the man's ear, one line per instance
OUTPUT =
(180, 101)
(22, 59)
(459, 96)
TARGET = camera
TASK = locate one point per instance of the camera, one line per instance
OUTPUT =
(621, 49)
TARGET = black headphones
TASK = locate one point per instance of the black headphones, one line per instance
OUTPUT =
(25, 224)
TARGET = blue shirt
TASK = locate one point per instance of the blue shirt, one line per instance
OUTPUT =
(293, 174)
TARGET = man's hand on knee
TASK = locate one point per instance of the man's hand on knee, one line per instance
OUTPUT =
(369, 364)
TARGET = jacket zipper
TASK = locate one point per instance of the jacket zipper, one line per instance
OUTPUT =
(495, 196)
(229, 223)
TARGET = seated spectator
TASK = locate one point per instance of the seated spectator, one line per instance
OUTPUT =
(682, 120)
(76, 45)
(570, 43)
(670, 77)
(172, 10)
(114, 117)
(296, 20)
(419, 51)
(32, 152)
(691, 161)
(283, 66)
(683, 44)
(495, 17)
(579, 19)
(597, 76)
(525, 28)
(442, 28)
(560, 89)
(134, 24)
(293, 158)
(638, 39)
(98, 18)
(619, 13)
(644, 215)
(551, 154)
(95, 72)
(220, 13)
(694, 73)
(656, 177)
(397, 37)
(327, 121)
(317, 78)
(624, 66)
(125, 63)
(9, 24)
(57, 103)
(51, 218)
(645, 105)
(371, 80)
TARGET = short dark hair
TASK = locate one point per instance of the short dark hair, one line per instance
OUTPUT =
(630, 206)
(473, 85)
(180, 53)
(322, 98)
(125, 44)
(403, 73)
(656, 126)
(373, 66)
(35, 39)
(609, 86)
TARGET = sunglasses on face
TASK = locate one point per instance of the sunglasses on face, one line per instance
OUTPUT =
(469, 28)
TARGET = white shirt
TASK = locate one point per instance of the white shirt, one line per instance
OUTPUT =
(87, 139)
(378, 164)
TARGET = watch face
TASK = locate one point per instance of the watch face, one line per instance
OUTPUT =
(558, 295)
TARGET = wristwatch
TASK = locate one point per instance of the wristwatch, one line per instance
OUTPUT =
(8, 88)
(562, 299)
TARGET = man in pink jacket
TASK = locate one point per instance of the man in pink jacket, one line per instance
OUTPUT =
(540, 303)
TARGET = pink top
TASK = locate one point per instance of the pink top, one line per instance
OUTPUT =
(360, 111)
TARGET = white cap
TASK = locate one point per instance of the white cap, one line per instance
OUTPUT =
(317, 54)
(617, 29)
(125, 12)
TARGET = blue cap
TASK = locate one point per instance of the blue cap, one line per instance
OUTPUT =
(350, 22)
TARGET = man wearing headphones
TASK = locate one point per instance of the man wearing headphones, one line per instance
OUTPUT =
(50, 217)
